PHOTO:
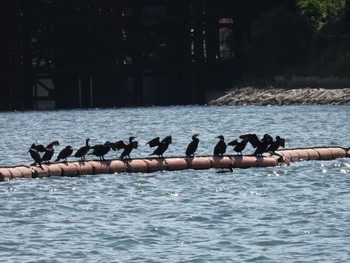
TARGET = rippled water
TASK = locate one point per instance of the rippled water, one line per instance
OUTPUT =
(298, 213)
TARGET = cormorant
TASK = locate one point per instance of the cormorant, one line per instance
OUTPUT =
(154, 142)
(101, 150)
(49, 151)
(260, 146)
(64, 153)
(220, 147)
(38, 147)
(239, 146)
(36, 157)
(113, 145)
(82, 151)
(192, 146)
(127, 147)
(280, 142)
(162, 145)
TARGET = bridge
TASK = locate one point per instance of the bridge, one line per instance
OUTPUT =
(84, 53)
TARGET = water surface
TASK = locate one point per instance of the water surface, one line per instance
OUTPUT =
(298, 213)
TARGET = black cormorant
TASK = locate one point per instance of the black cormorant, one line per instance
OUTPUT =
(49, 151)
(192, 146)
(154, 142)
(259, 145)
(280, 142)
(36, 157)
(162, 145)
(39, 147)
(101, 150)
(127, 147)
(220, 147)
(64, 153)
(239, 146)
(82, 151)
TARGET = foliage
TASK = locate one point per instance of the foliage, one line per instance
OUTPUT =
(321, 13)
(329, 53)
(279, 40)
(314, 41)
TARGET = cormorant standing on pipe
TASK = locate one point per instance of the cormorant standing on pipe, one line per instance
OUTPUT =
(239, 146)
(192, 146)
(259, 145)
(220, 147)
(280, 142)
(49, 151)
(82, 151)
(64, 153)
(127, 147)
(101, 150)
(162, 145)
(36, 157)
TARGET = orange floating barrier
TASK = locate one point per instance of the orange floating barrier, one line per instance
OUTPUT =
(68, 169)
(117, 166)
(324, 153)
(294, 155)
(338, 152)
(175, 164)
(5, 174)
(154, 165)
(244, 161)
(148, 165)
(313, 154)
(84, 168)
(136, 166)
(200, 163)
(221, 162)
(303, 155)
(55, 170)
(38, 172)
(21, 172)
(285, 153)
(254, 161)
(100, 167)
(269, 161)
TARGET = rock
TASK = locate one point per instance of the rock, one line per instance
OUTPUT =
(272, 96)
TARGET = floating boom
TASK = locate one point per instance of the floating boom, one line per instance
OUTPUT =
(149, 165)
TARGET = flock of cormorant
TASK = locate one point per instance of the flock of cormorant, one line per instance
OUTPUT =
(266, 144)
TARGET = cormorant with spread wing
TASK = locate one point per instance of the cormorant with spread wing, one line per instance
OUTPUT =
(279, 142)
(49, 151)
(259, 145)
(162, 145)
(38, 147)
(239, 146)
(127, 147)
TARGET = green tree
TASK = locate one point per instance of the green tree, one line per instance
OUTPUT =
(322, 14)
(279, 41)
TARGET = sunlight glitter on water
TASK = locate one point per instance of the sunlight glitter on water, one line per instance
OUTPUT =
(279, 214)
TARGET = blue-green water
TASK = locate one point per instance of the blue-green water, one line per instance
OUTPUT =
(298, 213)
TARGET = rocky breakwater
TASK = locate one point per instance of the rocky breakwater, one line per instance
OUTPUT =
(277, 96)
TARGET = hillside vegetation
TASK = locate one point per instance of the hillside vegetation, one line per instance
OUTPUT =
(308, 48)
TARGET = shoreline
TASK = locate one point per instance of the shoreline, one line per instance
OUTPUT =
(279, 96)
